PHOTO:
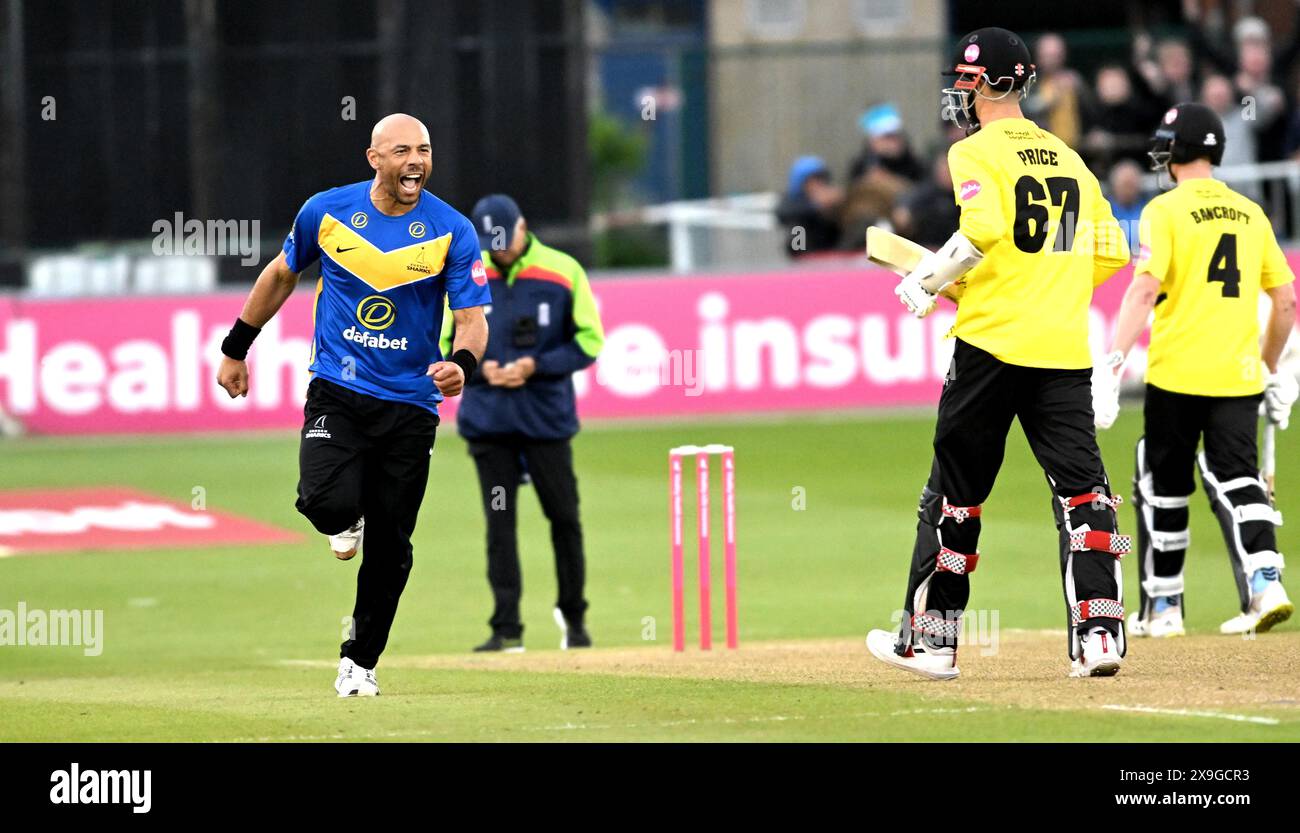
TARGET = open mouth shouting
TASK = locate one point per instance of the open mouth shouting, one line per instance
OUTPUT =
(409, 184)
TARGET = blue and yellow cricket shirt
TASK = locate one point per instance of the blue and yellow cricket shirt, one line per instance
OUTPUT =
(379, 301)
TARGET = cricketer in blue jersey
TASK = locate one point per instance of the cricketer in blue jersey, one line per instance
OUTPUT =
(379, 300)
(390, 253)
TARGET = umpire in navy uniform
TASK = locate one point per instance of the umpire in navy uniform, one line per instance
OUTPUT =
(518, 412)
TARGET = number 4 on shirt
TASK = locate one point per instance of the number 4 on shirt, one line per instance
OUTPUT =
(1223, 266)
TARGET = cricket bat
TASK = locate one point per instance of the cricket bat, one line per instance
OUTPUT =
(1269, 459)
(900, 256)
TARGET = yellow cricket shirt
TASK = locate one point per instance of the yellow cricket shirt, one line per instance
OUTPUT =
(1213, 251)
(1048, 237)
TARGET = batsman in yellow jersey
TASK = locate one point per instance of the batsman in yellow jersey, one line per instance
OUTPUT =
(1035, 238)
(1206, 254)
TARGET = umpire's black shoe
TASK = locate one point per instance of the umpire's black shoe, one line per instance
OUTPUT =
(500, 643)
(575, 636)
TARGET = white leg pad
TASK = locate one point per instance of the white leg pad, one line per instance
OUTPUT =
(1257, 512)
(1170, 541)
(1163, 585)
(1150, 498)
(1240, 483)
(1261, 560)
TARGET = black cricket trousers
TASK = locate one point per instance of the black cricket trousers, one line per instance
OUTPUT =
(1227, 425)
(501, 462)
(981, 397)
(364, 456)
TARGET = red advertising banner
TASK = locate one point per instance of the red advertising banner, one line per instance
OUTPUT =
(724, 344)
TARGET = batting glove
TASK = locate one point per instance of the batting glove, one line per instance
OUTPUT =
(918, 300)
(1280, 393)
(1106, 376)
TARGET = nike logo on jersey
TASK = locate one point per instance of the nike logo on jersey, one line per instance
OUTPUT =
(382, 270)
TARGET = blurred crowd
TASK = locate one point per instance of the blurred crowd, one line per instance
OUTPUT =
(1242, 69)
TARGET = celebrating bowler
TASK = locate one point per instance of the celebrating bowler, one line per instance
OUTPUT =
(389, 252)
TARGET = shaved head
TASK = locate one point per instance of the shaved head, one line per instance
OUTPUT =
(398, 128)
(401, 156)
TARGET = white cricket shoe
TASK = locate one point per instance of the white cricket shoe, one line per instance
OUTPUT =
(341, 683)
(1166, 623)
(1268, 608)
(934, 663)
(355, 681)
(1100, 656)
(347, 542)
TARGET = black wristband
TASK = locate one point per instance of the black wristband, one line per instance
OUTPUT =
(466, 361)
(236, 343)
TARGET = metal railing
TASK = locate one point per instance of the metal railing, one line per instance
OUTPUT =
(694, 225)
(742, 230)
(1280, 201)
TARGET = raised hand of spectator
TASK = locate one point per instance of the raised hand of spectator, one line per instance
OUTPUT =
(825, 196)
(1269, 100)
(1142, 47)
(1145, 67)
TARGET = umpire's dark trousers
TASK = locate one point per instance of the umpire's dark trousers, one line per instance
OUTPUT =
(500, 463)
(363, 456)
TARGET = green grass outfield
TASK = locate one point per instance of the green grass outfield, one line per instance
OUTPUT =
(239, 643)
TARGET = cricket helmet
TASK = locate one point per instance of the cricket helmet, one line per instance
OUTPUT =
(991, 56)
(1187, 132)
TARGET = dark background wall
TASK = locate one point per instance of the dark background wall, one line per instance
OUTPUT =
(1038, 16)
(232, 109)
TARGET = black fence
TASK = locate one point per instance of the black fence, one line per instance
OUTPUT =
(117, 114)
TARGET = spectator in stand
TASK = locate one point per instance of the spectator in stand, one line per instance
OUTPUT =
(1168, 76)
(1292, 145)
(1119, 121)
(928, 213)
(884, 170)
(1057, 100)
(886, 149)
(1218, 94)
(1127, 198)
(811, 207)
(1255, 66)
(950, 133)
(1255, 79)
